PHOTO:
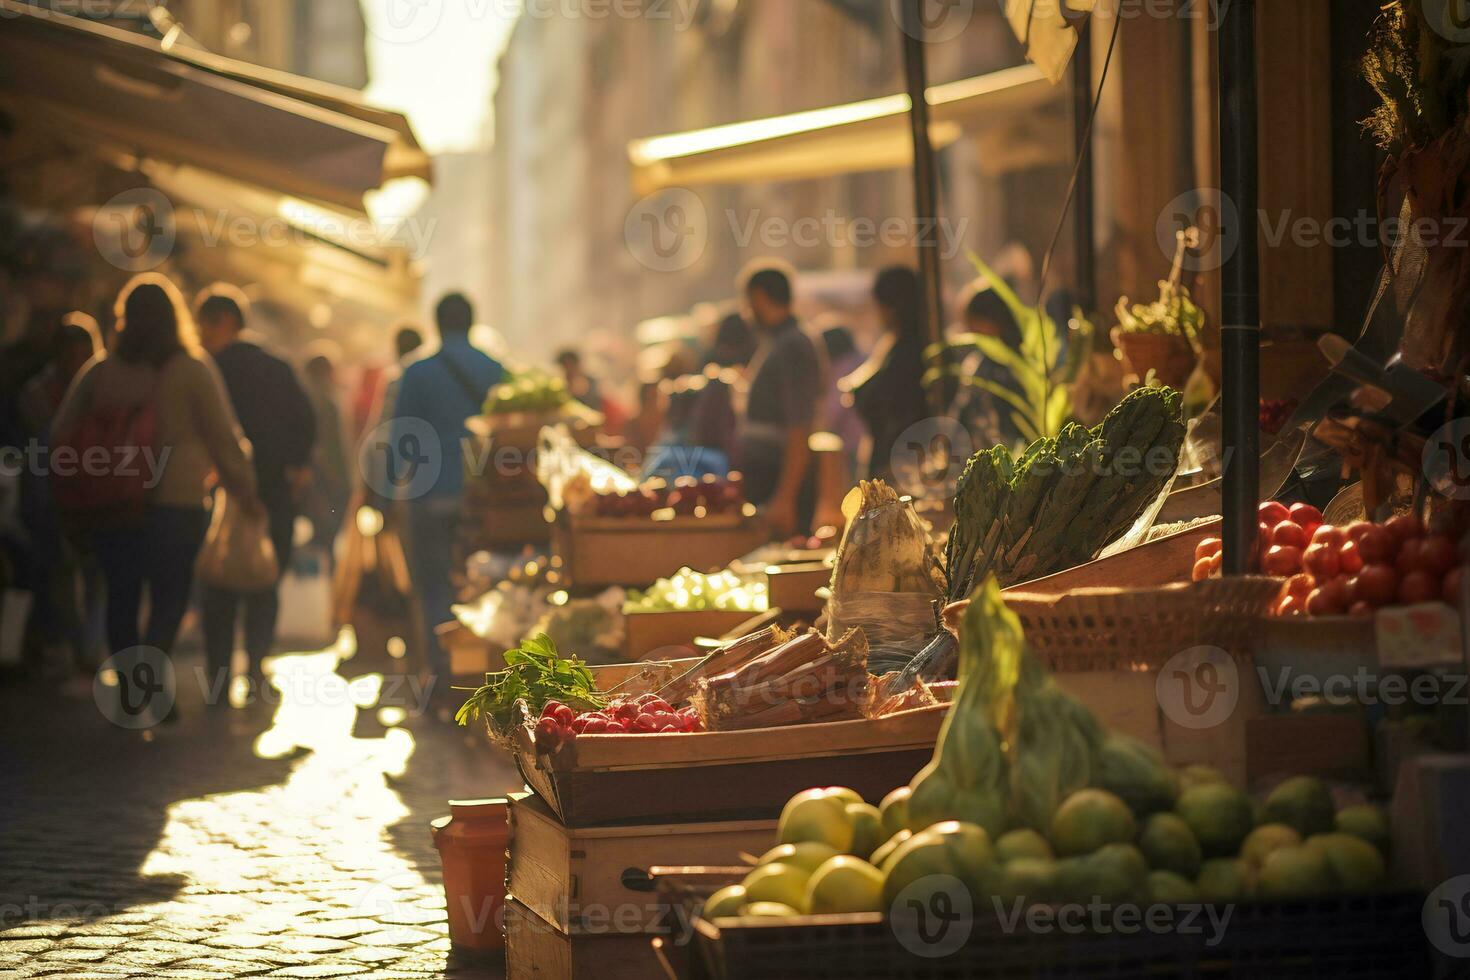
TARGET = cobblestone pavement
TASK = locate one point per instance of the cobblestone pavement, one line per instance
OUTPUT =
(283, 840)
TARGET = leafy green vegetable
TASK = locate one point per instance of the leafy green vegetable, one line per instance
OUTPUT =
(534, 673)
(1040, 398)
(1173, 314)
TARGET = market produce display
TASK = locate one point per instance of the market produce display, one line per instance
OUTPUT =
(804, 679)
(1064, 499)
(688, 591)
(527, 391)
(687, 497)
(535, 674)
(646, 714)
(1353, 570)
(1029, 801)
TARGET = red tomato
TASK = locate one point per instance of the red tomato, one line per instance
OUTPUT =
(1300, 584)
(1201, 570)
(1207, 547)
(1282, 560)
(1272, 513)
(1349, 557)
(1340, 591)
(1263, 539)
(1405, 527)
(1291, 606)
(1289, 533)
(1438, 554)
(1327, 534)
(1410, 558)
(1450, 590)
(1306, 515)
(1320, 603)
(1377, 585)
(1417, 587)
(1357, 529)
(1321, 561)
(1360, 609)
(1375, 543)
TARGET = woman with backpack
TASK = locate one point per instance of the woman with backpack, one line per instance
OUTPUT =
(156, 409)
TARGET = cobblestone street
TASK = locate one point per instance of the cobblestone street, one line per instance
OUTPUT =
(285, 839)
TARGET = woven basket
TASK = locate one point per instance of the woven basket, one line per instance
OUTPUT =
(1138, 629)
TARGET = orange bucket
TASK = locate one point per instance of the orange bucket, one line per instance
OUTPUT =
(472, 843)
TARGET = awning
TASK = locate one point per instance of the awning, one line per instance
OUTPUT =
(180, 106)
(859, 136)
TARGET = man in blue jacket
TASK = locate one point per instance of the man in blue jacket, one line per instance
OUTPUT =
(435, 396)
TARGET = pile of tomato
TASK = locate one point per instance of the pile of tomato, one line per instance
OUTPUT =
(646, 714)
(1353, 570)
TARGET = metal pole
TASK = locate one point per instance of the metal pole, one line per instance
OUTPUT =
(1240, 307)
(1084, 215)
(926, 186)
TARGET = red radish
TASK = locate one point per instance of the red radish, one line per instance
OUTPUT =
(1281, 560)
(1289, 533)
(1405, 527)
(1438, 554)
(1306, 515)
(645, 723)
(563, 715)
(1417, 587)
(1377, 585)
(669, 728)
(1375, 543)
(1349, 557)
(550, 710)
(1272, 513)
(1321, 561)
(595, 726)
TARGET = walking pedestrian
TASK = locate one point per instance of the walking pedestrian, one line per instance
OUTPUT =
(278, 420)
(157, 379)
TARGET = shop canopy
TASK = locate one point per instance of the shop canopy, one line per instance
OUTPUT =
(152, 100)
(859, 136)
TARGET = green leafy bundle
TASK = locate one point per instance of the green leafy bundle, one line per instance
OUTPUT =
(534, 673)
(1065, 498)
(1173, 314)
(1040, 369)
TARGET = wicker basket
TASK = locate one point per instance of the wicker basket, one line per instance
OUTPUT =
(1138, 629)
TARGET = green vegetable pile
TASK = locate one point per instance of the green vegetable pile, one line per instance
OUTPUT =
(534, 673)
(1064, 499)
(527, 391)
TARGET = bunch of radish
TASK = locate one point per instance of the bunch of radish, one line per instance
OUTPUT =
(646, 714)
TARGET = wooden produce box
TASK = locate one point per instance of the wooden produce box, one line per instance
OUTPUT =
(598, 552)
(469, 655)
(578, 879)
(606, 779)
(536, 950)
(662, 635)
(793, 588)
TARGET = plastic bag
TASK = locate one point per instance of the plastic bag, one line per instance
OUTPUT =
(238, 555)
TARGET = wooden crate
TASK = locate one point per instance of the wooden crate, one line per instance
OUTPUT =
(605, 779)
(469, 655)
(598, 552)
(793, 588)
(661, 635)
(575, 878)
(537, 950)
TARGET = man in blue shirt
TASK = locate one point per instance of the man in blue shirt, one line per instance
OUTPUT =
(426, 462)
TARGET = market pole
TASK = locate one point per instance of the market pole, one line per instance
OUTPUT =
(1240, 306)
(926, 188)
(1086, 264)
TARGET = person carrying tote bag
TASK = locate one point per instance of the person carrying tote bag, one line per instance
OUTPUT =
(180, 436)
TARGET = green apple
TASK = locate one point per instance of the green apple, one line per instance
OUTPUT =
(845, 884)
(808, 855)
(783, 883)
(816, 815)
